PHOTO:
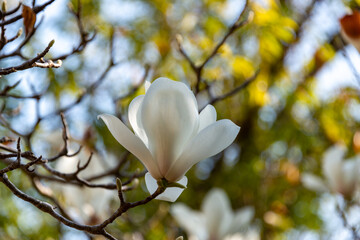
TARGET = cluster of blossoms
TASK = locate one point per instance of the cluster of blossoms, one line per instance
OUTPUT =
(341, 176)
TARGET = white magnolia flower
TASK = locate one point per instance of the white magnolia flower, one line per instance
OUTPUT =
(170, 134)
(342, 176)
(350, 29)
(88, 205)
(216, 221)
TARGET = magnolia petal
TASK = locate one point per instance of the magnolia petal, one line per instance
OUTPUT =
(332, 165)
(147, 85)
(170, 194)
(131, 142)
(192, 221)
(350, 179)
(250, 234)
(169, 115)
(207, 117)
(313, 183)
(218, 213)
(237, 236)
(134, 118)
(241, 219)
(207, 143)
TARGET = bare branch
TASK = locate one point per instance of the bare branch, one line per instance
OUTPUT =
(235, 90)
(16, 164)
(27, 64)
(343, 217)
(95, 229)
(36, 161)
(13, 10)
(198, 69)
(6, 140)
(4, 93)
(136, 87)
(36, 9)
(84, 36)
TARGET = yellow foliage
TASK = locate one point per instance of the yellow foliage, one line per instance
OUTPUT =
(288, 22)
(270, 47)
(324, 54)
(274, 28)
(309, 98)
(242, 67)
(264, 16)
(161, 5)
(258, 91)
(331, 128)
(213, 26)
(259, 166)
(213, 73)
(282, 33)
(162, 42)
(205, 43)
(225, 50)
(272, 16)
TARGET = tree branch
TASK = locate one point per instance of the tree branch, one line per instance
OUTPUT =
(28, 64)
(95, 229)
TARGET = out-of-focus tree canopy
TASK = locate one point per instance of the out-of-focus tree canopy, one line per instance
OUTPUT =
(282, 72)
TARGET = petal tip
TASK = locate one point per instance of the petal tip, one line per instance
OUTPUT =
(99, 116)
(102, 116)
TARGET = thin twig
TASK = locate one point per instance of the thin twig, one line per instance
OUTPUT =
(36, 9)
(235, 90)
(28, 64)
(343, 217)
(199, 69)
(95, 229)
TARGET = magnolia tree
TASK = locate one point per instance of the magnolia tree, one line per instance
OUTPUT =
(111, 111)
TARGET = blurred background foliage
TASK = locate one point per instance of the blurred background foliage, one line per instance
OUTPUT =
(289, 115)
